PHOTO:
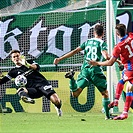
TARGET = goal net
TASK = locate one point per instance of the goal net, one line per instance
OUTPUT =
(43, 35)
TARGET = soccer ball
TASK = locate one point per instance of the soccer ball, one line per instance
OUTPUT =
(20, 80)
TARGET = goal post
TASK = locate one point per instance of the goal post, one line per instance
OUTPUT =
(109, 10)
(113, 72)
(43, 36)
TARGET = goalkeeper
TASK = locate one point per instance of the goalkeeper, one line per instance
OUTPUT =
(94, 49)
(37, 85)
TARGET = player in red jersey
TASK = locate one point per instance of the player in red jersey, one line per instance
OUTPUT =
(124, 50)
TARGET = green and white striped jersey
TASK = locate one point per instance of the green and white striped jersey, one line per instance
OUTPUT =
(92, 50)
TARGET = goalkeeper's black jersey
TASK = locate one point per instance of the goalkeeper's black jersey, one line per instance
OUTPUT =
(34, 77)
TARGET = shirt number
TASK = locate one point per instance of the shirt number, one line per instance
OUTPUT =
(129, 49)
(92, 52)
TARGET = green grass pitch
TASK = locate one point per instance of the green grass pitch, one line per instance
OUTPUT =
(68, 123)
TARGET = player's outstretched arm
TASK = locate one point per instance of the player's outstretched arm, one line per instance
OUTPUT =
(109, 62)
(56, 61)
(25, 63)
(119, 62)
(4, 80)
(73, 52)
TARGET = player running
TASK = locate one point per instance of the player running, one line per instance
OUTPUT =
(94, 49)
(124, 50)
(37, 85)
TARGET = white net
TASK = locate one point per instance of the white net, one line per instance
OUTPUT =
(19, 6)
(23, 5)
(43, 37)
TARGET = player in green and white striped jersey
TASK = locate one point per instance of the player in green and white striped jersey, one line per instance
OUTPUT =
(94, 49)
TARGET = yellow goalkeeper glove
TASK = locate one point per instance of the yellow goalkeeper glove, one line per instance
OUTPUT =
(23, 61)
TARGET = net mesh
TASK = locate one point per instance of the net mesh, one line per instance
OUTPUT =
(13, 7)
(10, 7)
(43, 37)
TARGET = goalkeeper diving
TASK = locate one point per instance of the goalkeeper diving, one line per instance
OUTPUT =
(37, 85)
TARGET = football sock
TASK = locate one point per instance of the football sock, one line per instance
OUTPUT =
(73, 85)
(105, 102)
(128, 101)
(59, 105)
(119, 89)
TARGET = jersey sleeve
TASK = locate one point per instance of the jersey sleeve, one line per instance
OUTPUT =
(33, 62)
(4, 80)
(12, 73)
(116, 52)
(104, 46)
(30, 61)
(82, 46)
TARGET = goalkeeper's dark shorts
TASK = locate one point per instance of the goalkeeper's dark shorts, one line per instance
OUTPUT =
(40, 91)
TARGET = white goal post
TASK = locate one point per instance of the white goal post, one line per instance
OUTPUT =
(112, 78)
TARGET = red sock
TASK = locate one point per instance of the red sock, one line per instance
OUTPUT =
(129, 98)
(119, 89)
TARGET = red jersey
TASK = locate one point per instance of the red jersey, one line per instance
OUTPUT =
(124, 50)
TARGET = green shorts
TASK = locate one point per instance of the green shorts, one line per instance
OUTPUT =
(93, 75)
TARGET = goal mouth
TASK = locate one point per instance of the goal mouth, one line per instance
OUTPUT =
(44, 36)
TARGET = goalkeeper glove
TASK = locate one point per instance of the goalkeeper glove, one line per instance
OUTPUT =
(23, 61)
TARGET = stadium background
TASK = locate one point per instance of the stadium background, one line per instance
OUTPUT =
(43, 36)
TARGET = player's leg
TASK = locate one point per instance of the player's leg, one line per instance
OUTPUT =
(49, 93)
(57, 102)
(128, 101)
(77, 86)
(99, 80)
(120, 86)
(127, 76)
(118, 92)
(23, 93)
(105, 103)
(73, 85)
